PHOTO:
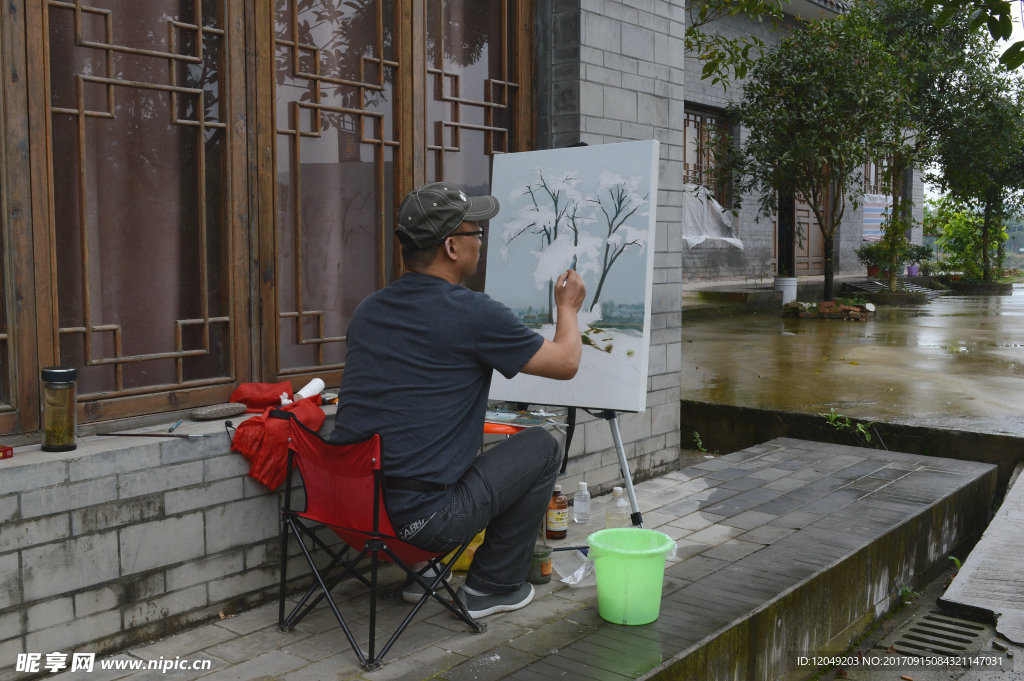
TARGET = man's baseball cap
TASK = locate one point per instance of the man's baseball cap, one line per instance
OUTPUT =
(431, 212)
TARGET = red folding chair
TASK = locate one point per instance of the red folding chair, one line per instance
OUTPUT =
(343, 488)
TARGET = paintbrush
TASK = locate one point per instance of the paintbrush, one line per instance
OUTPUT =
(571, 267)
(184, 435)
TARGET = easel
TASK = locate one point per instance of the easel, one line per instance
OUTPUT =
(612, 417)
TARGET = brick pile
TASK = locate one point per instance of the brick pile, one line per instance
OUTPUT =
(828, 309)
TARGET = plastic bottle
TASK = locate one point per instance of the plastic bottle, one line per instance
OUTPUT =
(618, 511)
(557, 525)
(581, 504)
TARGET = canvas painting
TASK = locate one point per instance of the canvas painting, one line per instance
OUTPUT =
(594, 207)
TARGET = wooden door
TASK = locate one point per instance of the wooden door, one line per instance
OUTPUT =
(810, 245)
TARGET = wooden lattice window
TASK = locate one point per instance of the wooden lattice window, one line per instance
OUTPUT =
(470, 60)
(704, 132)
(138, 114)
(335, 76)
(197, 193)
(6, 393)
(347, 150)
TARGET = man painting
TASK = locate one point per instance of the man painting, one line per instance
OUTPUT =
(420, 357)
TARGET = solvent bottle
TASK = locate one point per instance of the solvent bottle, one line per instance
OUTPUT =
(557, 525)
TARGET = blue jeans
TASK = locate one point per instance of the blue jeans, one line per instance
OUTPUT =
(506, 490)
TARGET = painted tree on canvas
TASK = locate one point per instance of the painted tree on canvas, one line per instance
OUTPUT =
(592, 230)
(618, 200)
(552, 216)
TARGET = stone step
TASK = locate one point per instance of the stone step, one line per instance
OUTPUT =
(806, 544)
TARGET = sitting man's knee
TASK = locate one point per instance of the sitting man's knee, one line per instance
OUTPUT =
(538, 439)
(544, 437)
(547, 446)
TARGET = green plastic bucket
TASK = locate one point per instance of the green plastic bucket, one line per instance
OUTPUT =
(629, 563)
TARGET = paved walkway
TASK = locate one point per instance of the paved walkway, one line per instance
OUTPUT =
(760, 533)
(991, 581)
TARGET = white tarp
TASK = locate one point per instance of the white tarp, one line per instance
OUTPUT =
(704, 218)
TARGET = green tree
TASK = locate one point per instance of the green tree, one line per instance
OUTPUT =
(995, 15)
(980, 159)
(810, 110)
(960, 235)
(726, 57)
(923, 55)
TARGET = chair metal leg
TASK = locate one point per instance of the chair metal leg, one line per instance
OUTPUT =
(330, 601)
(284, 572)
(431, 592)
(337, 558)
(295, 616)
(435, 588)
(374, 545)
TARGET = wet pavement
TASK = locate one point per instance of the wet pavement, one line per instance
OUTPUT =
(756, 531)
(956, 362)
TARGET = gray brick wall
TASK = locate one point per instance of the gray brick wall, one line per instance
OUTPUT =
(114, 544)
(611, 71)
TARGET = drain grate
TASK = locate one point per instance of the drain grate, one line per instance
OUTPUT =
(938, 634)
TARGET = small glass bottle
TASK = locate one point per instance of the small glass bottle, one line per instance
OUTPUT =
(618, 511)
(581, 504)
(557, 525)
(60, 403)
(540, 565)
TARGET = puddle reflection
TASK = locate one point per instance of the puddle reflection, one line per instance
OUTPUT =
(952, 362)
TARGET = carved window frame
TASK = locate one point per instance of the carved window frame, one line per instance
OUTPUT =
(30, 331)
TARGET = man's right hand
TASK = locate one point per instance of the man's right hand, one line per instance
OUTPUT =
(560, 358)
(570, 291)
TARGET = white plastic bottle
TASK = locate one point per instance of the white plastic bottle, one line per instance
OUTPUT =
(618, 511)
(581, 504)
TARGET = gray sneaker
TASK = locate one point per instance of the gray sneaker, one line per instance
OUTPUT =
(482, 606)
(412, 591)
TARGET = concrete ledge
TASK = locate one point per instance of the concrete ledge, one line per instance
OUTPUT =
(728, 428)
(990, 584)
(754, 297)
(858, 567)
(979, 288)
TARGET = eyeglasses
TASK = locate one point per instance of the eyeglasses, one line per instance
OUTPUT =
(479, 233)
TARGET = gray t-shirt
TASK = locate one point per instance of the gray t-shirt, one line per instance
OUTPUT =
(417, 371)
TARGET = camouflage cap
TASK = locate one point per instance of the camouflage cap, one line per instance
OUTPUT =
(432, 212)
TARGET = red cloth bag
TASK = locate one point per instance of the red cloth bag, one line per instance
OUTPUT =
(259, 396)
(264, 440)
